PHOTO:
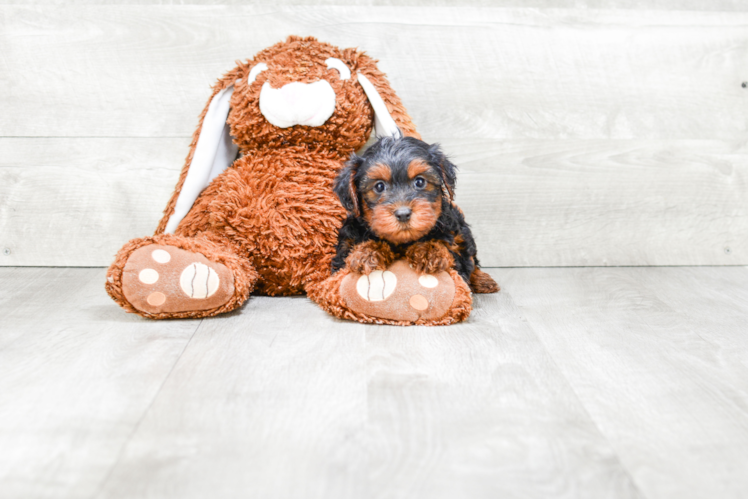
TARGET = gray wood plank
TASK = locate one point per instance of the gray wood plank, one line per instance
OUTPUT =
(480, 410)
(76, 376)
(611, 203)
(657, 357)
(75, 202)
(265, 403)
(268, 401)
(530, 202)
(571, 382)
(718, 5)
(461, 71)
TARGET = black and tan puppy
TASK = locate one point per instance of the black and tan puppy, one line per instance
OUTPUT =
(399, 201)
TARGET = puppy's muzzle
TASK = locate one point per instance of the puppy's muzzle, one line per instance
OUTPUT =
(298, 103)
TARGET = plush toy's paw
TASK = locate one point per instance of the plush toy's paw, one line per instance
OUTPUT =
(369, 256)
(429, 257)
(166, 279)
(405, 296)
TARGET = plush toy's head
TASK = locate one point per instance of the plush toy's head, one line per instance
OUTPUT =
(399, 187)
(300, 91)
(303, 91)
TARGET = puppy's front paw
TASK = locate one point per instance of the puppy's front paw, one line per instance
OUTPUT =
(429, 257)
(370, 256)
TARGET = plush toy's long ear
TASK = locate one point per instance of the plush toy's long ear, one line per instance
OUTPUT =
(389, 112)
(384, 125)
(214, 151)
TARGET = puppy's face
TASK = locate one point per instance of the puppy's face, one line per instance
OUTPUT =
(398, 188)
(401, 202)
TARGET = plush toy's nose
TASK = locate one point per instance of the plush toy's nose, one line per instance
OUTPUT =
(402, 214)
(298, 103)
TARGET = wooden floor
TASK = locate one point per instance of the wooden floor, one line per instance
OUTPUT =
(571, 382)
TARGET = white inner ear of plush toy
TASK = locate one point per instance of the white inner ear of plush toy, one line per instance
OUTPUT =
(256, 70)
(384, 125)
(334, 63)
(214, 152)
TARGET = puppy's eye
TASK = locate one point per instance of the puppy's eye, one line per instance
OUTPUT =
(379, 187)
(420, 182)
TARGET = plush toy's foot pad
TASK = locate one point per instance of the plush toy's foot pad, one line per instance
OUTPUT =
(399, 293)
(166, 279)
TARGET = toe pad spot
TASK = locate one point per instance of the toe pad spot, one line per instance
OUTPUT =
(148, 276)
(156, 298)
(419, 302)
(161, 256)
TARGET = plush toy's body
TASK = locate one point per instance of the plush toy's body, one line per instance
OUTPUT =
(254, 207)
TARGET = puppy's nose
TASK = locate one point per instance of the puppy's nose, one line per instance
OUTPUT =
(402, 214)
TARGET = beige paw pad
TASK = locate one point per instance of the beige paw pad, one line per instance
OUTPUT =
(156, 298)
(168, 279)
(419, 302)
(161, 256)
(399, 293)
(428, 280)
(199, 281)
(376, 286)
(148, 276)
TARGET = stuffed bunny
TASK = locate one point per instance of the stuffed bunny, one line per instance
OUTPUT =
(254, 210)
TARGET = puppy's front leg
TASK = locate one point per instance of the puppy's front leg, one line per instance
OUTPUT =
(370, 256)
(429, 257)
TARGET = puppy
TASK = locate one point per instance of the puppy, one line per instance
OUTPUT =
(399, 201)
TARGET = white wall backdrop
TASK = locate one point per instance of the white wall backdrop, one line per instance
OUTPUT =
(587, 133)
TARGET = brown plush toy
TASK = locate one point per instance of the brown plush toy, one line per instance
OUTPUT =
(254, 210)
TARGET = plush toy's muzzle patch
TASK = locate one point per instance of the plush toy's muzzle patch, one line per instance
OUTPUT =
(298, 103)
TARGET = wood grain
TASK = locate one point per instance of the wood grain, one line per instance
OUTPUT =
(75, 202)
(463, 72)
(269, 401)
(480, 410)
(612, 203)
(76, 376)
(571, 382)
(657, 357)
(720, 5)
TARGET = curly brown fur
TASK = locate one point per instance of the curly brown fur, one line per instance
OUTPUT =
(481, 282)
(429, 257)
(273, 211)
(300, 59)
(370, 256)
(404, 189)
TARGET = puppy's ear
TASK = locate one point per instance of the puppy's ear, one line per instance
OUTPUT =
(447, 170)
(345, 185)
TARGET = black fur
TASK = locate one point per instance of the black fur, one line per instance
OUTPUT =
(450, 227)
